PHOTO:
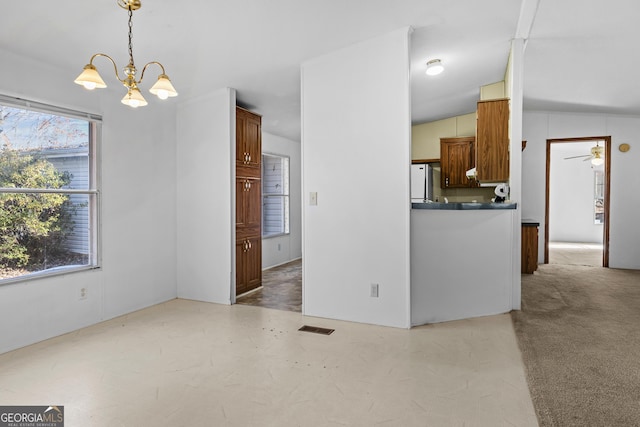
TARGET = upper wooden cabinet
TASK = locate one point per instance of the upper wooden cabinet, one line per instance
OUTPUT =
(456, 157)
(492, 141)
(248, 143)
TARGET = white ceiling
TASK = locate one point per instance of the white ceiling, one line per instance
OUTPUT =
(580, 55)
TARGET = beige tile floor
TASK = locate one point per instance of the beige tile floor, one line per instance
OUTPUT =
(186, 363)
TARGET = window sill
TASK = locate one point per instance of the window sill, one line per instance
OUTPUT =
(56, 271)
(270, 236)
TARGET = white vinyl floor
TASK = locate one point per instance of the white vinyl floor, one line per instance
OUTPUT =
(186, 363)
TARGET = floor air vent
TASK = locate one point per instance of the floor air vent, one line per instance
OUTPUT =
(316, 330)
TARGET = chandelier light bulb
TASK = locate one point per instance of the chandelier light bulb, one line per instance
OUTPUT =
(134, 98)
(89, 85)
(163, 88)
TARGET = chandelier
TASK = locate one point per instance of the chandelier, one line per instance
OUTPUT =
(90, 78)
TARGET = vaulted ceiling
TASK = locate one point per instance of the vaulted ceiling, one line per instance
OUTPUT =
(580, 54)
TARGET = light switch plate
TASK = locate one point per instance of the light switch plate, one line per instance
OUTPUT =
(313, 198)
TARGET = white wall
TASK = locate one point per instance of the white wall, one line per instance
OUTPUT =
(206, 197)
(625, 181)
(138, 212)
(571, 206)
(356, 134)
(281, 249)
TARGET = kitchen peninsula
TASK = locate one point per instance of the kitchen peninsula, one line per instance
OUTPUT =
(461, 255)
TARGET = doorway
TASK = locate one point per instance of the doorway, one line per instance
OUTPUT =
(594, 159)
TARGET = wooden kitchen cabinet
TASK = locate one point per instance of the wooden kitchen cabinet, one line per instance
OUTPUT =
(529, 237)
(248, 143)
(492, 141)
(248, 264)
(248, 201)
(456, 157)
(248, 206)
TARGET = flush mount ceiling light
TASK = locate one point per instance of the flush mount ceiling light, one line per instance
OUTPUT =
(434, 67)
(90, 79)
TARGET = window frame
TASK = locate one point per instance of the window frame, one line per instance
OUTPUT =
(93, 191)
(286, 196)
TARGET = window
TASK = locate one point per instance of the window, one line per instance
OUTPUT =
(275, 195)
(48, 190)
(598, 196)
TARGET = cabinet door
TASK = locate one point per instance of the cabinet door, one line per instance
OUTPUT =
(529, 255)
(248, 206)
(254, 263)
(456, 157)
(241, 149)
(253, 140)
(241, 269)
(248, 264)
(248, 143)
(492, 141)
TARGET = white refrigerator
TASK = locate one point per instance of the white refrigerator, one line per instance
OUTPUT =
(421, 185)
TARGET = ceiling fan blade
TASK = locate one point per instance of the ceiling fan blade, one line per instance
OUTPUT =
(577, 157)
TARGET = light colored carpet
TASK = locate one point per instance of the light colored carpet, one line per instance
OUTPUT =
(568, 253)
(578, 333)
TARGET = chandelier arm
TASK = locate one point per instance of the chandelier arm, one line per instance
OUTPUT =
(115, 67)
(145, 67)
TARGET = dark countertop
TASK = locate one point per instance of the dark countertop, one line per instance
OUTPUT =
(529, 223)
(463, 206)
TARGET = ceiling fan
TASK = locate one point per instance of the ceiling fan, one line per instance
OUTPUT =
(596, 155)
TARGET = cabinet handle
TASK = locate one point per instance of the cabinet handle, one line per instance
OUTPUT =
(446, 182)
(248, 157)
(249, 243)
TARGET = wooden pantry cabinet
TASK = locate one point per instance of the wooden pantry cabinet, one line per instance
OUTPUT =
(492, 141)
(456, 157)
(248, 201)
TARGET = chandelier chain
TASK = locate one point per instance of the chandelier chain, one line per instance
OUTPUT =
(130, 37)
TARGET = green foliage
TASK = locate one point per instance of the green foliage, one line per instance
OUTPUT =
(31, 224)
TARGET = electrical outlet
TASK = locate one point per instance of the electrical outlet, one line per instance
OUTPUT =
(279, 246)
(313, 198)
(374, 290)
(83, 293)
